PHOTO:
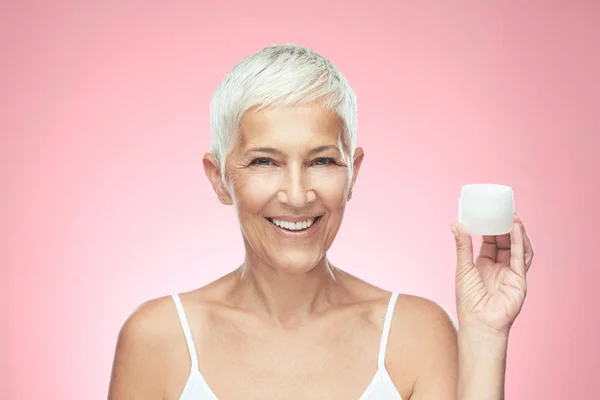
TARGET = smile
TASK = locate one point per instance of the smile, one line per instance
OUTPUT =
(294, 226)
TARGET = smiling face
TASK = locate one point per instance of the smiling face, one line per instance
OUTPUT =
(289, 181)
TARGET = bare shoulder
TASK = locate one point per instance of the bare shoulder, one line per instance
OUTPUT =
(144, 348)
(423, 348)
(423, 313)
(149, 317)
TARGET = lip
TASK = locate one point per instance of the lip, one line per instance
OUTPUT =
(295, 219)
(297, 234)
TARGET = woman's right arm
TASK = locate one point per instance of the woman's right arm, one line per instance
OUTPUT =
(138, 373)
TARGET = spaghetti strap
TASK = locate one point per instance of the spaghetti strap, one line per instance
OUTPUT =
(387, 324)
(186, 331)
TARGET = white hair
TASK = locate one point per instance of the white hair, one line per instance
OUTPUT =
(280, 76)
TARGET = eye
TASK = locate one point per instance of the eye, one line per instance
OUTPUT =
(262, 162)
(323, 161)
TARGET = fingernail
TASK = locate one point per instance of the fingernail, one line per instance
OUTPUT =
(454, 231)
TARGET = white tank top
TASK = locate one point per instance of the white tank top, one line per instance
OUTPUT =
(380, 387)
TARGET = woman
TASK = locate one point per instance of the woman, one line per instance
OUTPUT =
(288, 324)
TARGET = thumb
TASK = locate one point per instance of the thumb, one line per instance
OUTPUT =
(464, 248)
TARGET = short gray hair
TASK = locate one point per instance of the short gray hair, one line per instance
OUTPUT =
(279, 76)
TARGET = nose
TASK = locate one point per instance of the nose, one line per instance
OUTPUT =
(297, 190)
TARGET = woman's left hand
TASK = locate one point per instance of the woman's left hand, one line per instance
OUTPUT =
(490, 292)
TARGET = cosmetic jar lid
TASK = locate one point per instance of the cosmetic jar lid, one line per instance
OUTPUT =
(486, 208)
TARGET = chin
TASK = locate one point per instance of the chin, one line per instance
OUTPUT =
(296, 262)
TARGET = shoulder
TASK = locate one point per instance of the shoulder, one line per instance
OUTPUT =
(150, 323)
(144, 346)
(423, 313)
(426, 324)
(423, 343)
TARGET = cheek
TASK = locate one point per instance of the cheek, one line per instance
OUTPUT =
(253, 191)
(331, 186)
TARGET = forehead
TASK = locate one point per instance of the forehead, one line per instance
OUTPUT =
(306, 123)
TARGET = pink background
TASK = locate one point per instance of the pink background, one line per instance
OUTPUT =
(104, 204)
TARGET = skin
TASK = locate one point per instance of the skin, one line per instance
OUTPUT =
(288, 324)
(490, 293)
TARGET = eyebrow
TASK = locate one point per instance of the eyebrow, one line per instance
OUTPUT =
(271, 150)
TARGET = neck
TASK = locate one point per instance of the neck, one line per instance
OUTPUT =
(286, 299)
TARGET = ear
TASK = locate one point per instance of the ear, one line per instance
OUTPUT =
(359, 154)
(213, 173)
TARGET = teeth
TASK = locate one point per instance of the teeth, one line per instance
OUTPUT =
(293, 226)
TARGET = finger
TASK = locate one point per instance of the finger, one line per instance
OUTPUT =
(526, 243)
(489, 248)
(517, 251)
(503, 242)
(464, 249)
